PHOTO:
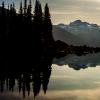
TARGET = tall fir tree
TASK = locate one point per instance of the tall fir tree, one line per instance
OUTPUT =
(21, 9)
(36, 10)
(3, 19)
(14, 10)
(38, 16)
(25, 7)
(3, 7)
(29, 10)
(30, 5)
(38, 28)
(8, 11)
(47, 27)
(47, 18)
(11, 10)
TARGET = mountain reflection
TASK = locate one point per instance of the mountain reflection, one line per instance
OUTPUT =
(33, 78)
(79, 62)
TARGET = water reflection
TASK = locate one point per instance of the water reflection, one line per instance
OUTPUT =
(28, 75)
(25, 80)
(79, 62)
(33, 78)
(74, 85)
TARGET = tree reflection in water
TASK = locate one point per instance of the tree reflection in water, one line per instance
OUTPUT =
(35, 78)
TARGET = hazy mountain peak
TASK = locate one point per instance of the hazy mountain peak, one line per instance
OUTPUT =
(85, 32)
(76, 22)
(81, 24)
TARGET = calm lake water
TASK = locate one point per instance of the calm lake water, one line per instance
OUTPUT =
(69, 83)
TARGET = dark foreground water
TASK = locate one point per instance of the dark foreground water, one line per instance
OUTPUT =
(72, 78)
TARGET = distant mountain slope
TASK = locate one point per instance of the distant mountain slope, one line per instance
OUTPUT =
(78, 32)
(67, 37)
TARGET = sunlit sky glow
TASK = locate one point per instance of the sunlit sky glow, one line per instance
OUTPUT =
(65, 11)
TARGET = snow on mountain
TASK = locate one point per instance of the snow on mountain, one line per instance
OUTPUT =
(88, 33)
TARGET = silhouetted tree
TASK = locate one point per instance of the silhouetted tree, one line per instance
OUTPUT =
(49, 41)
(37, 27)
(3, 20)
(25, 7)
(21, 9)
(29, 14)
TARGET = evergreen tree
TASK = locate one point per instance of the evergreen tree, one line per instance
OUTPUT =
(20, 24)
(11, 11)
(3, 8)
(8, 11)
(3, 19)
(47, 27)
(30, 6)
(29, 10)
(40, 13)
(2, 31)
(38, 29)
(36, 10)
(47, 17)
(38, 16)
(8, 15)
(21, 9)
(25, 7)
(14, 10)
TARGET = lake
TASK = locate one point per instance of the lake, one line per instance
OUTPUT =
(68, 81)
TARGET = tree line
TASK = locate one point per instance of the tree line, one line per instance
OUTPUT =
(27, 47)
(24, 36)
(63, 49)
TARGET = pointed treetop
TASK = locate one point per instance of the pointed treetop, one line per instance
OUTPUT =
(8, 6)
(3, 4)
(47, 17)
(13, 8)
(40, 7)
(25, 6)
(30, 5)
(46, 11)
(21, 8)
(38, 10)
(37, 4)
(30, 2)
(13, 5)
(25, 3)
(46, 5)
(21, 4)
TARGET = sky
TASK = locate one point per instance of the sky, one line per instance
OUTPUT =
(66, 11)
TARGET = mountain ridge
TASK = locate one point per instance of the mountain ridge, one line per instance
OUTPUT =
(86, 33)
